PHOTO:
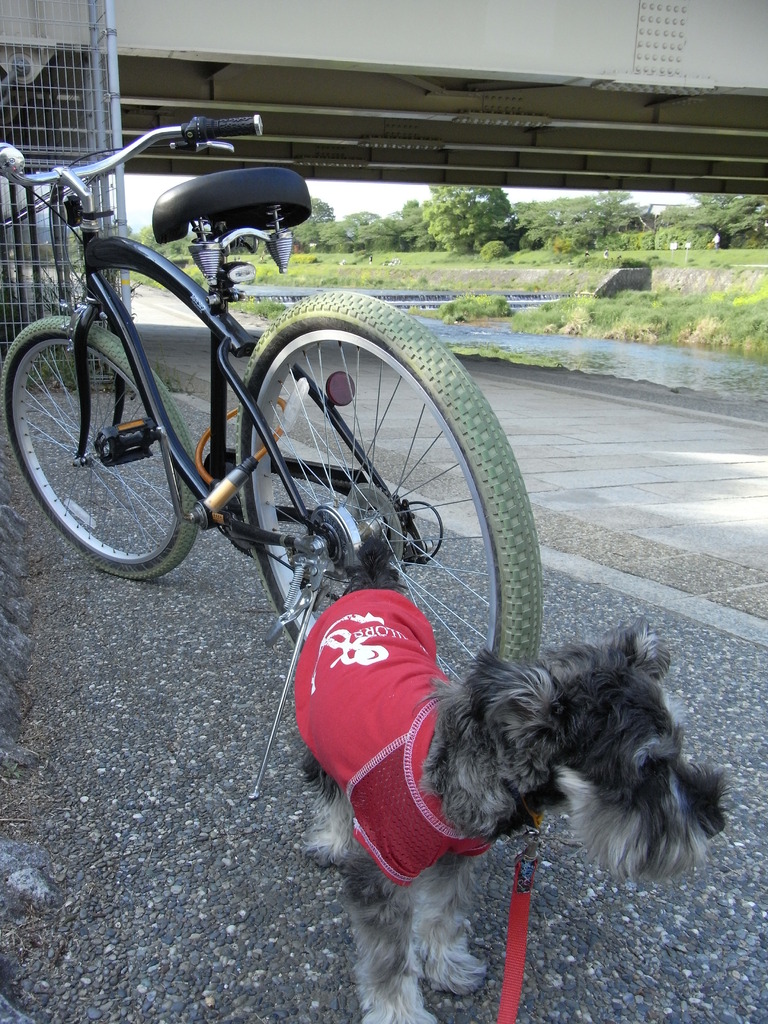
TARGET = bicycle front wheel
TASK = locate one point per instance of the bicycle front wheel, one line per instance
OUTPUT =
(121, 516)
(382, 427)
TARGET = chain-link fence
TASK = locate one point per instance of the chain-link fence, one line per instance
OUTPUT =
(55, 108)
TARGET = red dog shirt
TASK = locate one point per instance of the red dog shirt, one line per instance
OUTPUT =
(365, 707)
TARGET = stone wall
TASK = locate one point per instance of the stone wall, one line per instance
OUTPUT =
(636, 279)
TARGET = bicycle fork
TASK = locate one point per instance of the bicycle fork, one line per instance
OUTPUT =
(79, 326)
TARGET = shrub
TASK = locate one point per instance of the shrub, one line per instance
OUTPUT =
(495, 250)
(304, 257)
(269, 309)
(633, 262)
(708, 331)
(473, 307)
(579, 321)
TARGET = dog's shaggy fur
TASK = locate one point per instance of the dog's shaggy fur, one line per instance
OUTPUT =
(587, 728)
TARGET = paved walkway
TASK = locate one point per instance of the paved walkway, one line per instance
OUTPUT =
(643, 489)
(670, 495)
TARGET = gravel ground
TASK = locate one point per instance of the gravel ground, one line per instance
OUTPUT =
(182, 901)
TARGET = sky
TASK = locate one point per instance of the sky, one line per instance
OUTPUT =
(345, 197)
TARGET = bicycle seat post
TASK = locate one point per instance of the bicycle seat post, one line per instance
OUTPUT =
(218, 443)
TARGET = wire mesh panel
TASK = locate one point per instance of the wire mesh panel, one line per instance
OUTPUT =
(54, 107)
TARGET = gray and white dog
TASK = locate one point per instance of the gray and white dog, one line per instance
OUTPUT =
(587, 728)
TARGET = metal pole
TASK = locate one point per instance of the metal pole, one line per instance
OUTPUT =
(113, 84)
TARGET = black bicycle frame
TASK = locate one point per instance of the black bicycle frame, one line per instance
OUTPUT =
(227, 335)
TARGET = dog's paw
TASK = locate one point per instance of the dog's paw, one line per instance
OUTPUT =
(398, 1001)
(388, 1015)
(455, 971)
(399, 1013)
(385, 1015)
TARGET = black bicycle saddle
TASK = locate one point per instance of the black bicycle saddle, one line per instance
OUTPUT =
(239, 199)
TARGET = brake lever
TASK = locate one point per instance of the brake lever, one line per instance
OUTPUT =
(224, 147)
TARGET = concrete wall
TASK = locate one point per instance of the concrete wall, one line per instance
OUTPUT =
(693, 42)
(635, 279)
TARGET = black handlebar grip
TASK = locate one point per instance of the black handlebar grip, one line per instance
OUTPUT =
(201, 129)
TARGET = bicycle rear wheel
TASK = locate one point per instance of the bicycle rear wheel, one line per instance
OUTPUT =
(120, 516)
(424, 458)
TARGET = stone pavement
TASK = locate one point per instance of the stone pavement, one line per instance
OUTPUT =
(644, 489)
(655, 490)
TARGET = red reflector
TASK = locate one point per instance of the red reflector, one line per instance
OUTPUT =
(340, 388)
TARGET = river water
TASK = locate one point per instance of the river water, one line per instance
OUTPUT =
(671, 366)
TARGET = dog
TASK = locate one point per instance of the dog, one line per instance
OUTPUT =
(415, 775)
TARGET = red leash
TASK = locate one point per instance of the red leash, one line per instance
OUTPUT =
(517, 930)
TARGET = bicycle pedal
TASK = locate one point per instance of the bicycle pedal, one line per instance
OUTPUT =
(126, 442)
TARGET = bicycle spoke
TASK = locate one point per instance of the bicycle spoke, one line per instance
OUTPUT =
(121, 514)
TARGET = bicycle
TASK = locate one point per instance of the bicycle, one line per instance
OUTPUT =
(352, 421)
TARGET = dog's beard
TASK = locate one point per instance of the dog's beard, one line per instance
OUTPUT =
(659, 840)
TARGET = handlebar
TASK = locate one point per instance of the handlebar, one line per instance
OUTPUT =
(204, 129)
(194, 135)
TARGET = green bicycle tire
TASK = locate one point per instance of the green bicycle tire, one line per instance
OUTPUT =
(467, 415)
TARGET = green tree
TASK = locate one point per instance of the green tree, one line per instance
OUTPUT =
(308, 235)
(495, 250)
(540, 223)
(612, 213)
(360, 229)
(464, 219)
(177, 251)
(332, 237)
(740, 220)
(412, 231)
(145, 236)
(381, 235)
(576, 224)
(322, 212)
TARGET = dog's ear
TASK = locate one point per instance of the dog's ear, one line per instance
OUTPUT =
(641, 647)
(522, 715)
(517, 696)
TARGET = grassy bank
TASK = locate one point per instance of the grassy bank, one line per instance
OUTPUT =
(441, 270)
(733, 320)
(526, 271)
(428, 271)
(706, 298)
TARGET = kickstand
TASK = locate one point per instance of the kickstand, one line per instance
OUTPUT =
(284, 695)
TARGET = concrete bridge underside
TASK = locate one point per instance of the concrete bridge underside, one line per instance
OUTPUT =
(626, 94)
